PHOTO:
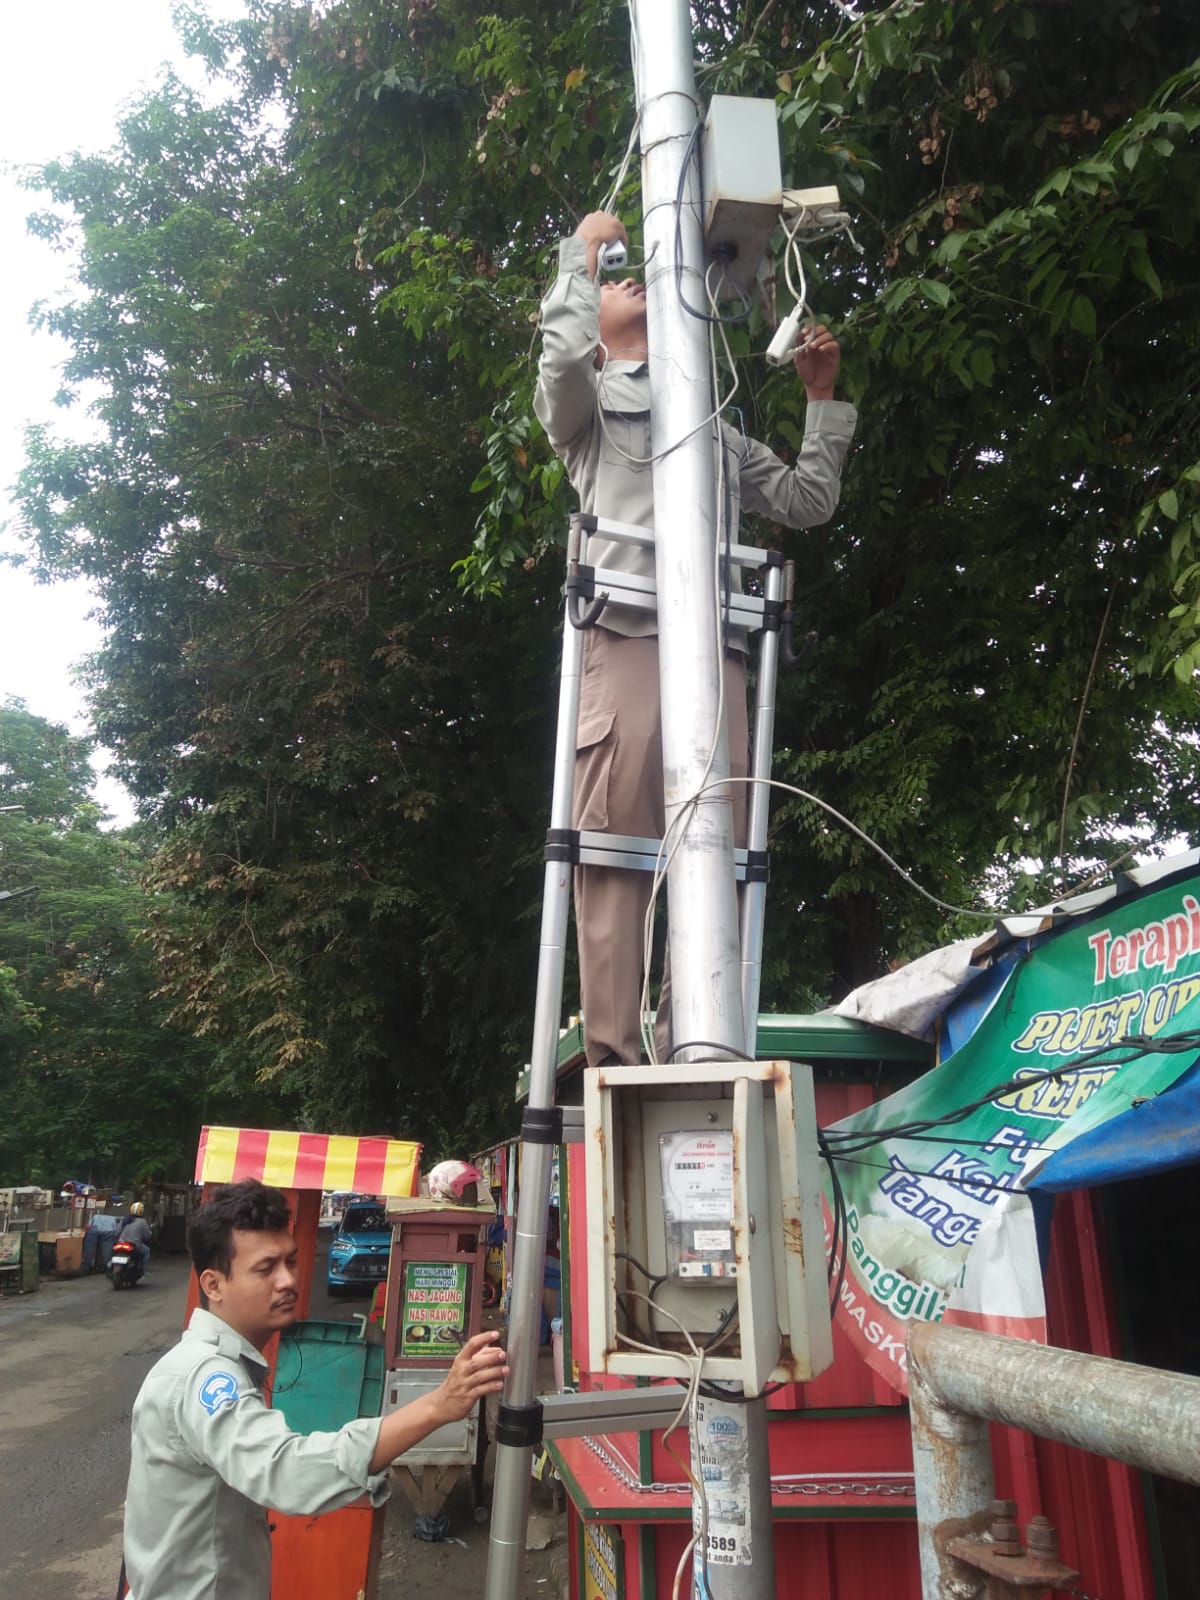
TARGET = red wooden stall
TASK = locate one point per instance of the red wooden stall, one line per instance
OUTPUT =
(841, 1454)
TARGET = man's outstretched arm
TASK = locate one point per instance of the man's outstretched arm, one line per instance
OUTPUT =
(806, 494)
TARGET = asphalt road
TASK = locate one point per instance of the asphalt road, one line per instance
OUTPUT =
(72, 1358)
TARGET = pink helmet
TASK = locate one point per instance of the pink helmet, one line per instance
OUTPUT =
(449, 1178)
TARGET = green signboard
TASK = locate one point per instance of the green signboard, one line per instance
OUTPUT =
(433, 1316)
(937, 1225)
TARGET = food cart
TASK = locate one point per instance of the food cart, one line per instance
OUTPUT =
(433, 1305)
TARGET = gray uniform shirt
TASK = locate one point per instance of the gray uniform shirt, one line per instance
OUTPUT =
(209, 1455)
(137, 1230)
(598, 422)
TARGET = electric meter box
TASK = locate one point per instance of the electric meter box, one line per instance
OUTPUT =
(742, 185)
(705, 1227)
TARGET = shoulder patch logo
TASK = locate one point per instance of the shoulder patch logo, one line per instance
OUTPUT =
(218, 1389)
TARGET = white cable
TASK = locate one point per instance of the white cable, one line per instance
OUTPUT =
(694, 1364)
(792, 251)
(658, 455)
(803, 794)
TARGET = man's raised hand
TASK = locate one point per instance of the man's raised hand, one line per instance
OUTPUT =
(817, 359)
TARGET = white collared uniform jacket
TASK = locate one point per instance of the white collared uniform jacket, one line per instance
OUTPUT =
(209, 1455)
(598, 422)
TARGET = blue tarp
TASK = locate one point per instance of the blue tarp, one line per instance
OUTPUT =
(1153, 1137)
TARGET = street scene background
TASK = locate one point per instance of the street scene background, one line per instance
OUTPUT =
(72, 1358)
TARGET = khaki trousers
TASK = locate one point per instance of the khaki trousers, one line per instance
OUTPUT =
(618, 789)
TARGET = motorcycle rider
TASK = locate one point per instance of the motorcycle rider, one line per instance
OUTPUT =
(137, 1230)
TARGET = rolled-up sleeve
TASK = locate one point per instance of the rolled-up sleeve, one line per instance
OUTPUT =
(565, 401)
(223, 1422)
(806, 494)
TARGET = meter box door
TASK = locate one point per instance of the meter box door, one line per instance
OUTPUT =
(451, 1445)
(705, 1230)
(435, 1281)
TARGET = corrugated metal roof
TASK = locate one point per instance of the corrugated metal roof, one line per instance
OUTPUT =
(1124, 884)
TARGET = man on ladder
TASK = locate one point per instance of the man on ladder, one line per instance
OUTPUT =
(593, 398)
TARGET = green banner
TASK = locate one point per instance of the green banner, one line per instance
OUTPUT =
(433, 1315)
(936, 1224)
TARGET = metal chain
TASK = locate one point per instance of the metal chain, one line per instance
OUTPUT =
(900, 1487)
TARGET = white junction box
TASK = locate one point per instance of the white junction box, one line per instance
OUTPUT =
(742, 185)
(704, 1215)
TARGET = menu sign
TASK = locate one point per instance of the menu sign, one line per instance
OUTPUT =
(434, 1313)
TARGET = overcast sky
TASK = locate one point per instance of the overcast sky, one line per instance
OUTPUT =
(66, 70)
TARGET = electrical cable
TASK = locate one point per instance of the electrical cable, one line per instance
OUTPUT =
(853, 1141)
(839, 1238)
(706, 1044)
(655, 455)
(701, 316)
(790, 250)
(652, 1277)
(966, 1184)
(682, 818)
(695, 1366)
(714, 1391)
(803, 794)
(610, 199)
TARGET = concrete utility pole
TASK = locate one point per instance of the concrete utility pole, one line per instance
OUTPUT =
(701, 886)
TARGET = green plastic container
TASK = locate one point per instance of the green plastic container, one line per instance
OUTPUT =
(326, 1376)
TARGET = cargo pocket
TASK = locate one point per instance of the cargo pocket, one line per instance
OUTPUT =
(595, 747)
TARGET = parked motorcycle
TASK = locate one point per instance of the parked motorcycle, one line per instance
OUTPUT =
(125, 1267)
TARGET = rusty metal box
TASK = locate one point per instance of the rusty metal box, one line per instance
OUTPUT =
(705, 1230)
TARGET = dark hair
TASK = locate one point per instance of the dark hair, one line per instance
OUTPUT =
(249, 1206)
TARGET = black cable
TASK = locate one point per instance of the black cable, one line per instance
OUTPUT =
(840, 1240)
(728, 1321)
(652, 1277)
(713, 1391)
(707, 1044)
(938, 1177)
(282, 1388)
(701, 316)
(978, 1144)
(1128, 1049)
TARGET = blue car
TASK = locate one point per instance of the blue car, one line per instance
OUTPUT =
(359, 1251)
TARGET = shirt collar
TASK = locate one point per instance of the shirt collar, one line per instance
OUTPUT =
(214, 1330)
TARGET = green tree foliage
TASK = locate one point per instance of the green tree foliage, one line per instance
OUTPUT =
(44, 770)
(324, 522)
(92, 1083)
(345, 753)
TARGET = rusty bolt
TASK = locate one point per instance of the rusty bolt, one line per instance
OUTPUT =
(1042, 1540)
(1006, 1540)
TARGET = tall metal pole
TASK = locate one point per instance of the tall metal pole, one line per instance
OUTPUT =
(701, 886)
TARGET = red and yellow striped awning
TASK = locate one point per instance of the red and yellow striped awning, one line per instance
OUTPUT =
(308, 1160)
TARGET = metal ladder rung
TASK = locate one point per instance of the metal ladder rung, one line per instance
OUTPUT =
(639, 594)
(739, 555)
(627, 850)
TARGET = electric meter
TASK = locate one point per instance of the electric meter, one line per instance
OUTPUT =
(697, 1186)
